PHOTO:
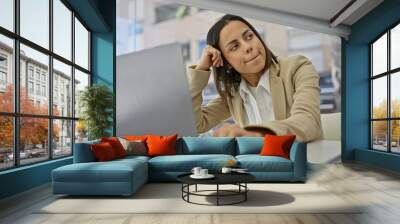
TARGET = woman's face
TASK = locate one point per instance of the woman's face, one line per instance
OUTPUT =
(241, 48)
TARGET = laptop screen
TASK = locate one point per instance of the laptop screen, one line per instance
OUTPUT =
(153, 94)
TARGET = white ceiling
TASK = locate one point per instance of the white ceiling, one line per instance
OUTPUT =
(321, 9)
(314, 15)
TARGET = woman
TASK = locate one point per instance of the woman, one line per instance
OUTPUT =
(264, 94)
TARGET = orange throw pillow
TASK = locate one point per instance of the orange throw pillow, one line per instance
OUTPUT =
(277, 145)
(103, 151)
(116, 145)
(161, 145)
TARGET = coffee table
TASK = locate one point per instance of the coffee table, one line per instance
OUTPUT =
(238, 179)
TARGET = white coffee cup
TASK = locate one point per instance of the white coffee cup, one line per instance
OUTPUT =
(226, 170)
(203, 172)
(196, 170)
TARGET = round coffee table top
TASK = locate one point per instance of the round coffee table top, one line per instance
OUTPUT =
(220, 178)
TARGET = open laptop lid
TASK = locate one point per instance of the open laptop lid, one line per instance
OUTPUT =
(153, 93)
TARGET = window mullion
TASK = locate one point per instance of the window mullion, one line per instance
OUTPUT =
(370, 98)
(73, 82)
(389, 94)
(16, 84)
(50, 81)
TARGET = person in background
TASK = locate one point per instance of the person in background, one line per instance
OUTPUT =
(264, 94)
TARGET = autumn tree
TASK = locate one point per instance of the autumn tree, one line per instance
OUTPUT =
(81, 129)
(6, 122)
(395, 123)
(33, 131)
(380, 127)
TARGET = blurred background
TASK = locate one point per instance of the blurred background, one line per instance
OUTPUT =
(144, 24)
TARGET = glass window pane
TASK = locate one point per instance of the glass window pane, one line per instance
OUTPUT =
(379, 135)
(395, 138)
(379, 97)
(62, 29)
(6, 142)
(33, 139)
(395, 47)
(81, 131)
(62, 89)
(7, 14)
(62, 138)
(395, 94)
(34, 66)
(6, 74)
(81, 45)
(35, 21)
(379, 55)
(81, 81)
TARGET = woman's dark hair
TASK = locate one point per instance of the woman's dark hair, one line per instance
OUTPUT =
(227, 80)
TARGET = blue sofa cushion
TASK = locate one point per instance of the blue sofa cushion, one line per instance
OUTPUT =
(111, 171)
(131, 158)
(83, 153)
(257, 163)
(206, 145)
(249, 145)
(184, 163)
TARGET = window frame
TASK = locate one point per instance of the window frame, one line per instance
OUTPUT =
(3, 74)
(388, 74)
(5, 58)
(3, 70)
(16, 115)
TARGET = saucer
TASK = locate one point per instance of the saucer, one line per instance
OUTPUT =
(208, 176)
(240, 171)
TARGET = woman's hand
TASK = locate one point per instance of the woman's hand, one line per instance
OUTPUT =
(234, 130)
(210, 57)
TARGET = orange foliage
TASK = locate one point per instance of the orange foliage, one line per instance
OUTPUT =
(380, 127)
(33, 130)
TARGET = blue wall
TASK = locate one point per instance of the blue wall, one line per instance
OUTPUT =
(103, 61)
(99, 15)
(355, 81)
(24, 178)
(103, 50)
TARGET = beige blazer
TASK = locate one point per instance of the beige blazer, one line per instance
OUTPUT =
(295, 93)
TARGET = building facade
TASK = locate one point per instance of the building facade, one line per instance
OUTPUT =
(34, 82)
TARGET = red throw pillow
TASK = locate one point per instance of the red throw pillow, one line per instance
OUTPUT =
(161, 145)
(103, 151)
(116, 145)
(277, 145)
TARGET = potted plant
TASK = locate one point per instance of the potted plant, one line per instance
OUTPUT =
(96, 102)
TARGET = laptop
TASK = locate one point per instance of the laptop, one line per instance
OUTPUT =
(153, 93)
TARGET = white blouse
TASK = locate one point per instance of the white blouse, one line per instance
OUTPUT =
(257, 100)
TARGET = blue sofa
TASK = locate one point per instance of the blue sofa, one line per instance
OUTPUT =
(125, 176)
